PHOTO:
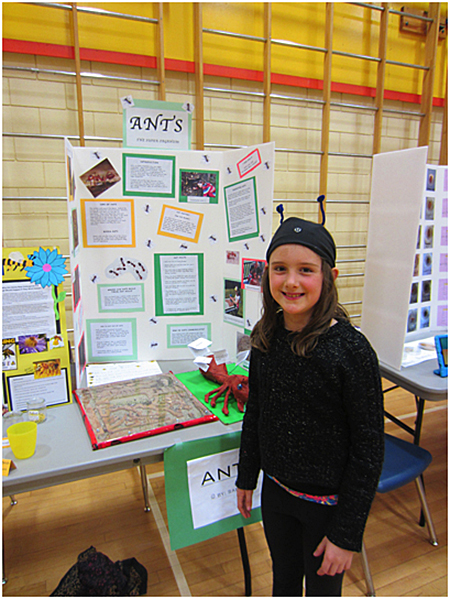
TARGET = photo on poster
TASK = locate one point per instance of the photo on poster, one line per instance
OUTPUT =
(241, 206)
(75, 232)
(428, 237)
(425, 318)
(233, 294)
(70, 177)
(149, 175)
(199, 187)
(180, 223)
(109, 223)
(32, 344)
(416, 265)
(426, 291)
(431, 179)
(55, 342)
(232, 257)
(82, 354)
(9, 354)
(100, 177)
(179, 284)
(414, 293)
(76, 290)
(427, 264)
(252, 272)
(243, 342)
(121, 298)
(412, 321)
(429, 208)
(46, 368)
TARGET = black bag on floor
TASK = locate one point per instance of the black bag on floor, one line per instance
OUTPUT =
(95, 575)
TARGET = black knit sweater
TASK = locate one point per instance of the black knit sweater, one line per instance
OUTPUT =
(316, 424)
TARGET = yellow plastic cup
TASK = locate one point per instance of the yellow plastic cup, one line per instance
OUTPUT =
(22, 439)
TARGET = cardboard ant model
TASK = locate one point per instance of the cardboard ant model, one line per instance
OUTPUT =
(236, 384)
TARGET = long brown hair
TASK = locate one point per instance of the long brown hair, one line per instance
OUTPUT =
(304, 341)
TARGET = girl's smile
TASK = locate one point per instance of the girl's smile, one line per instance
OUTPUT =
(295, 279)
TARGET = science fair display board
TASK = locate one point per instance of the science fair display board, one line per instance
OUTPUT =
(406, 279)
(35, 346)
(166, 247)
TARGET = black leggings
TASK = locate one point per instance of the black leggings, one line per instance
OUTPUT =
(294, 528)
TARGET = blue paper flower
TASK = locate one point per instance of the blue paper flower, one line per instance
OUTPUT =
(48, 268)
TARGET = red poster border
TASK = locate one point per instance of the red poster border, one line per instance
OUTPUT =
(253, 167)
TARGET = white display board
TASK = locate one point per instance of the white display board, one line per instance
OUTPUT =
(166, 247)
(405, 284)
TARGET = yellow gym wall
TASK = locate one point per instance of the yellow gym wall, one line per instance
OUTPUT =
(355, 31)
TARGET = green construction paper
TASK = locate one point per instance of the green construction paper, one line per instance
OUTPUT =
(181, 529)
(159, 304)
(199, 386)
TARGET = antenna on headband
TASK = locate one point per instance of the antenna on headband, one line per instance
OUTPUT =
(321, 200)
(280, 210)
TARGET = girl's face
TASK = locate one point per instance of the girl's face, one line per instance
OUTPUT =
(295, 280)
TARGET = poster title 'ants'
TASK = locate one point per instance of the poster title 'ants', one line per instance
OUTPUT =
(160, 123)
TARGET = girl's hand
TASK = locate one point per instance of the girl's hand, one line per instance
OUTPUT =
(335, 560)
(244, 502)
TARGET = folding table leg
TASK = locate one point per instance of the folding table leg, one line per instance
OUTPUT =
(5, 578)
(144, 482)
(367, 573)
(420, 407)
(13, 501)
(425, 511)
(245, 562)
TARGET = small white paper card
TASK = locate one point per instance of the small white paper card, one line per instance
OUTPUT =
(203, 362)
(212, 488)
(199, 347)
(242, 356)
(221, 356)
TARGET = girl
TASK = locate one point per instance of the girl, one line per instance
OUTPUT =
(314, 418)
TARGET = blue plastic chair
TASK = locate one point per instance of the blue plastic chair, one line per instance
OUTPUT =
(404, 462)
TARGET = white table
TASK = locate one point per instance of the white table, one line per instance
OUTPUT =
(64, 452)
(421, 381)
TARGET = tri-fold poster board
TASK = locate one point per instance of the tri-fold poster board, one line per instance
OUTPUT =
(166, 247)
(406, 278)
(35, 346)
